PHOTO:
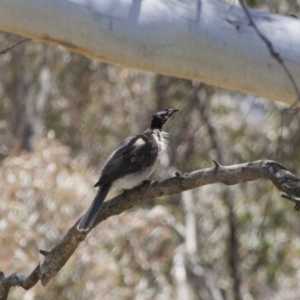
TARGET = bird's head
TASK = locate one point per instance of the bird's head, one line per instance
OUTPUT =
(161, 117)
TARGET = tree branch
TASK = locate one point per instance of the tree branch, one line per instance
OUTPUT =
(55, 259)
(14, 45)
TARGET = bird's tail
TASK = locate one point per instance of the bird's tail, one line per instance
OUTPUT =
(88, 219)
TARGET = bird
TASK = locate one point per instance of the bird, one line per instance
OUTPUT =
(130, 164)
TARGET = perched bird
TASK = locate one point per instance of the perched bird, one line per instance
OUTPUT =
(132, 162)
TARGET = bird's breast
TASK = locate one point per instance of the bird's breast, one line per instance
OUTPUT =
(161, 139)
(131, 180)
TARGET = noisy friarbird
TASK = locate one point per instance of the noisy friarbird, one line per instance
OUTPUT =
(131, 163)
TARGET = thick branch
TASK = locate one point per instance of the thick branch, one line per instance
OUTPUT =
(55, 259)
(203, 40)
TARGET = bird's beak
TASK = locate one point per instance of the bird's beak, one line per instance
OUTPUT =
(170, 111)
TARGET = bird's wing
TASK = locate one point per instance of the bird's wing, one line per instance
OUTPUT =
(132, 154)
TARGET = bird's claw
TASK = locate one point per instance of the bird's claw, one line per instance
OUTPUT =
(178, 174)
(146, 182)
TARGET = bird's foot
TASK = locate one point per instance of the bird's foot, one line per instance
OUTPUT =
(125, 191)
(144, 183)
(178, 174)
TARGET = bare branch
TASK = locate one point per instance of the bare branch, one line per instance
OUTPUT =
(14, 45)
(294, 199)
(56, 258)
(18, 279)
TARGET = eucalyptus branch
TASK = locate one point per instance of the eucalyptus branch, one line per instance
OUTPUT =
(56, 258)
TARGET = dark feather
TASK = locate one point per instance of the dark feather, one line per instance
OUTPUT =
(134, 153)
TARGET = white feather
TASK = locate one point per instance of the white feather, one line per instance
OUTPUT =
(161, 138)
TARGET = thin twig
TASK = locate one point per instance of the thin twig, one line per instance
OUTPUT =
(294, 199)
(14, 45)
(271, 49)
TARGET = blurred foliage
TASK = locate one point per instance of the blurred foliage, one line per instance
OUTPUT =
(73, 112)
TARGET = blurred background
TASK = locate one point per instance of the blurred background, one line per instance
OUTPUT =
(62, 114)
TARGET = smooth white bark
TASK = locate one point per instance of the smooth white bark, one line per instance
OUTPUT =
(203, 40)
